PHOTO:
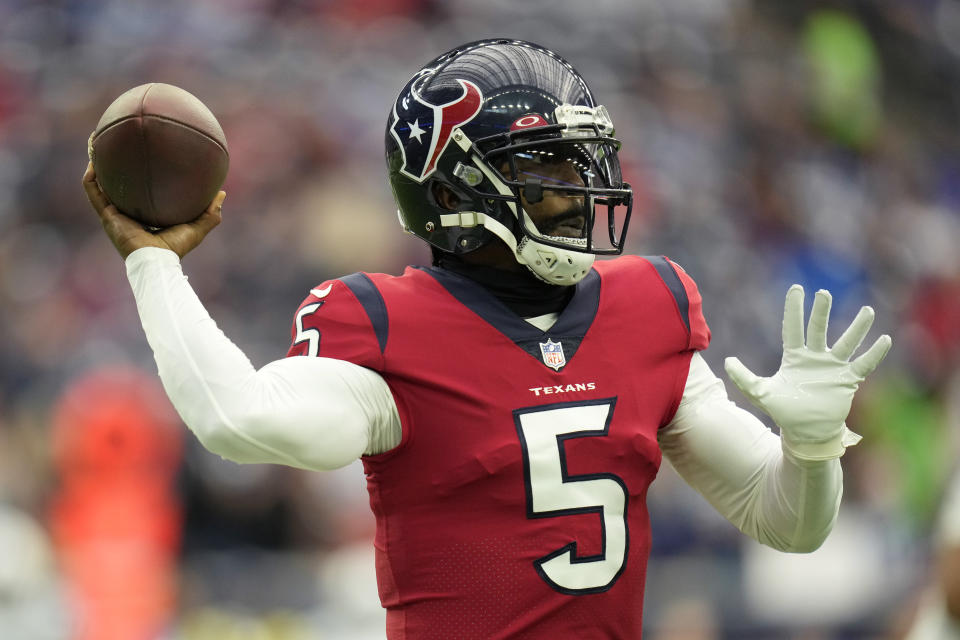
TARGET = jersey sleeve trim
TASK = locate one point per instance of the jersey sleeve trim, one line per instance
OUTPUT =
(674, 284)
(372, 302)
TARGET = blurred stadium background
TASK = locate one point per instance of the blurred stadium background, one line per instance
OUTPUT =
(768, 142)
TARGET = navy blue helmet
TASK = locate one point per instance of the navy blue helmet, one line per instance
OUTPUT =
(468, 118)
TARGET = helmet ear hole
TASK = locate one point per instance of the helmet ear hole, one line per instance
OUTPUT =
(467, 243)
(444, 196)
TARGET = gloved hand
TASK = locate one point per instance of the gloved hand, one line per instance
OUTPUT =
(810, 396)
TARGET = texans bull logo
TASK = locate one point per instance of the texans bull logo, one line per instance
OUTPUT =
(423, 130)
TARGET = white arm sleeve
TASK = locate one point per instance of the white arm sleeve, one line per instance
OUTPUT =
(312, 413)
(739, 466)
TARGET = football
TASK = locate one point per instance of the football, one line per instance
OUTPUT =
(159, 154)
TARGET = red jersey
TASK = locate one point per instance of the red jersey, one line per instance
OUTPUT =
(515, 503)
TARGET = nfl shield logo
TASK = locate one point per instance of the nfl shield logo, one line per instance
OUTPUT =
(552, 354)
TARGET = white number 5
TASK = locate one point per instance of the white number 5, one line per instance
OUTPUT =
(311, 336)
(552, 492)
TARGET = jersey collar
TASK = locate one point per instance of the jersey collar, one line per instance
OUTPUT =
(570, 328)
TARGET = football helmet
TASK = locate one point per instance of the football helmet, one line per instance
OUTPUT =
(506, 125)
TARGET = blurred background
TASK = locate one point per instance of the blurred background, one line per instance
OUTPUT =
(768, 143)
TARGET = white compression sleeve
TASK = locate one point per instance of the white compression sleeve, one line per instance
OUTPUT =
(739, 466)
(312, 413)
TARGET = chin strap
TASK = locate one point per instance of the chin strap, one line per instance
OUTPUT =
(551, 264)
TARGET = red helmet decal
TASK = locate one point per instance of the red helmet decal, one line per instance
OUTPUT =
(423, 129)
(453, 114)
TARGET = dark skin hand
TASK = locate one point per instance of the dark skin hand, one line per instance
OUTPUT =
(128, 235)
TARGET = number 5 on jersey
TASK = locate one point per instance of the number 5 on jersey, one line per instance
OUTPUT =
(311, 336)
(552, 493)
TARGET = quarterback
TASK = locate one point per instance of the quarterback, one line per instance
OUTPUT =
(512, 401)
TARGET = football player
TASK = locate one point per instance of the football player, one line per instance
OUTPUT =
(511, 402)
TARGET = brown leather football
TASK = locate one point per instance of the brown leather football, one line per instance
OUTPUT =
(160, 155)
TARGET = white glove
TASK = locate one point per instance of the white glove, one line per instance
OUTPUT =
(810, 396)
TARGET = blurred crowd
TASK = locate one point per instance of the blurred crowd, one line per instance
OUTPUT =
(767, 142)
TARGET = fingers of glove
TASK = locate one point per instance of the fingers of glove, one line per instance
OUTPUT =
(866, 363)
(817, 325)
(793, 318)
(854, 335)
(747, 381)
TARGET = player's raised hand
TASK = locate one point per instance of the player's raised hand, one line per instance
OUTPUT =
(810, 396)
(128, 235)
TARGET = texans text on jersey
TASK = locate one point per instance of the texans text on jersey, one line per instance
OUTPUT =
(561, 388)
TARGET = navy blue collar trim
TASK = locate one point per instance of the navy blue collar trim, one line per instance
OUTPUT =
(574, 320)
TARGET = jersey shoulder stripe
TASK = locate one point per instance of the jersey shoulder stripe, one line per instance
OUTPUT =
(372, 302)
(668, 274)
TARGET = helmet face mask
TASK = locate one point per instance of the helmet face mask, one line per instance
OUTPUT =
(580, 177)
(512, 130)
